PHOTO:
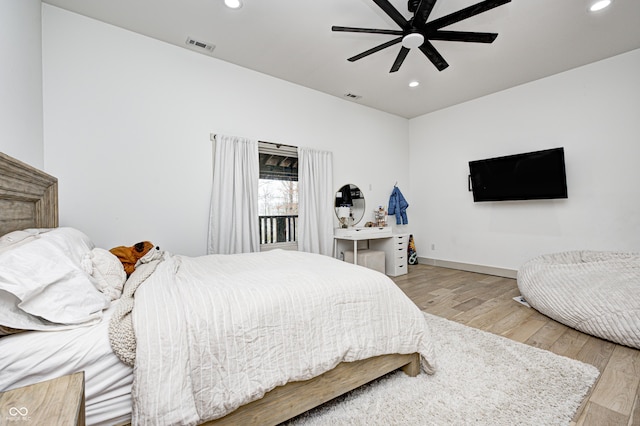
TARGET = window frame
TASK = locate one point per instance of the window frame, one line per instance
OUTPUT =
(280, 150)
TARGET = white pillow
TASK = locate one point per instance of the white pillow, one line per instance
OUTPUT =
(17, 238)
(14, 238)
(43, 286)
(107, 271)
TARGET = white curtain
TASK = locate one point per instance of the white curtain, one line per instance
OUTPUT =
(233, 216)
(315, 201)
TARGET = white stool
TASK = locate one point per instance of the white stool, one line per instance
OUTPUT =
(372, 259)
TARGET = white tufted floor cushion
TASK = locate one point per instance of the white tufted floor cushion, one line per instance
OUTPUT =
(592, 291)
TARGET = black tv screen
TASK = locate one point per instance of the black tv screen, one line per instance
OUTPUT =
(530, 176)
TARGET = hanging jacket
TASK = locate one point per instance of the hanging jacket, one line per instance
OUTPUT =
(398, 206)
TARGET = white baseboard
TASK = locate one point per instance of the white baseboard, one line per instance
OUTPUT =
(481, 269)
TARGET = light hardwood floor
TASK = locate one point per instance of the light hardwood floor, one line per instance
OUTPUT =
(486, 302)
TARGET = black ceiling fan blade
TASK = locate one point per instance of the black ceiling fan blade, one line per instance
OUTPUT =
(465, 13)
(399, 59)
(393, 13)
(375, 49)
(365, 30)
(432, 54)
(466, 36)
(422, 12)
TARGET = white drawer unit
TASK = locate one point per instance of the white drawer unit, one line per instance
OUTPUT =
(395, 251)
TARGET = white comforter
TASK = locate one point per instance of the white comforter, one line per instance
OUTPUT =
(216, 332)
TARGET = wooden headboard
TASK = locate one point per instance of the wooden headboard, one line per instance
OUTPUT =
(28, 196)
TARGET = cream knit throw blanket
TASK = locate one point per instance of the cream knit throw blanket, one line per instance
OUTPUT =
(121, 333)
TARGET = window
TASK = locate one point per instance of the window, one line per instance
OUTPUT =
(278, 195)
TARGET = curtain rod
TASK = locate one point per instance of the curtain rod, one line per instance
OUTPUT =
(212, 136)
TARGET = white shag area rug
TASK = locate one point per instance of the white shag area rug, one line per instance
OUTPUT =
(482, 379)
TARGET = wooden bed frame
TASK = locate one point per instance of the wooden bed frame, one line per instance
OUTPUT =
(29, 199)
(28, 196)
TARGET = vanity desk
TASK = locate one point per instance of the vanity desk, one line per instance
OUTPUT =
(394, 245)
(350, 207)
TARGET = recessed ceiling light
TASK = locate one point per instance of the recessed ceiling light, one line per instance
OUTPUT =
(599, 5)
(414, 83)
(233, 4)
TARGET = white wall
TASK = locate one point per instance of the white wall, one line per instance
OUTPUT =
(127, 123)
(592, 111)
(21, 81)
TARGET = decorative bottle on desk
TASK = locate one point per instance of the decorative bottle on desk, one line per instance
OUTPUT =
(380, 217)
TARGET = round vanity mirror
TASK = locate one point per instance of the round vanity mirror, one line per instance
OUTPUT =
(349, 205)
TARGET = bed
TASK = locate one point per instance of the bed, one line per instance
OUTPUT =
(264, 336)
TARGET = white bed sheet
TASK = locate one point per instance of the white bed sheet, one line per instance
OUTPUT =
(35, 356)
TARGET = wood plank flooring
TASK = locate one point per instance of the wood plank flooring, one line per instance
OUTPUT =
(486, 302)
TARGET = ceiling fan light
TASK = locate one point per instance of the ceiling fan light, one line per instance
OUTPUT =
(414, 83)
(599, 5)
(412, 40)
(233, 4)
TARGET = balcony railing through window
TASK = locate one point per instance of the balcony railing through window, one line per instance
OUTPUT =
(278, 229)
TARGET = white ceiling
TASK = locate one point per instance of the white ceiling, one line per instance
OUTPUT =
(292, 40)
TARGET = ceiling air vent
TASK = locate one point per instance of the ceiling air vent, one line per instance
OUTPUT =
(200, 44)
(351, 96)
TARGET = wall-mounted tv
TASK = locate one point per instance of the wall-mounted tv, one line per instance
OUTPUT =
(530, 176)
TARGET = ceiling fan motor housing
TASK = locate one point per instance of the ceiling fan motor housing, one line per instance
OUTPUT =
(413, 40)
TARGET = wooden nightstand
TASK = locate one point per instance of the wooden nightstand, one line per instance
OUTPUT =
(54, 402)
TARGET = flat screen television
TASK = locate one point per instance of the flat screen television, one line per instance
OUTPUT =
(530, 176)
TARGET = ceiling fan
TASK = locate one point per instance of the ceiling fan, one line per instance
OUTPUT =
(416, 32)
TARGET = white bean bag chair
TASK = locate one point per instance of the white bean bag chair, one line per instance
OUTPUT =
(592, 291)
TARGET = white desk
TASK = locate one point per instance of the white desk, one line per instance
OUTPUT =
(358, 234)
(393, 244)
